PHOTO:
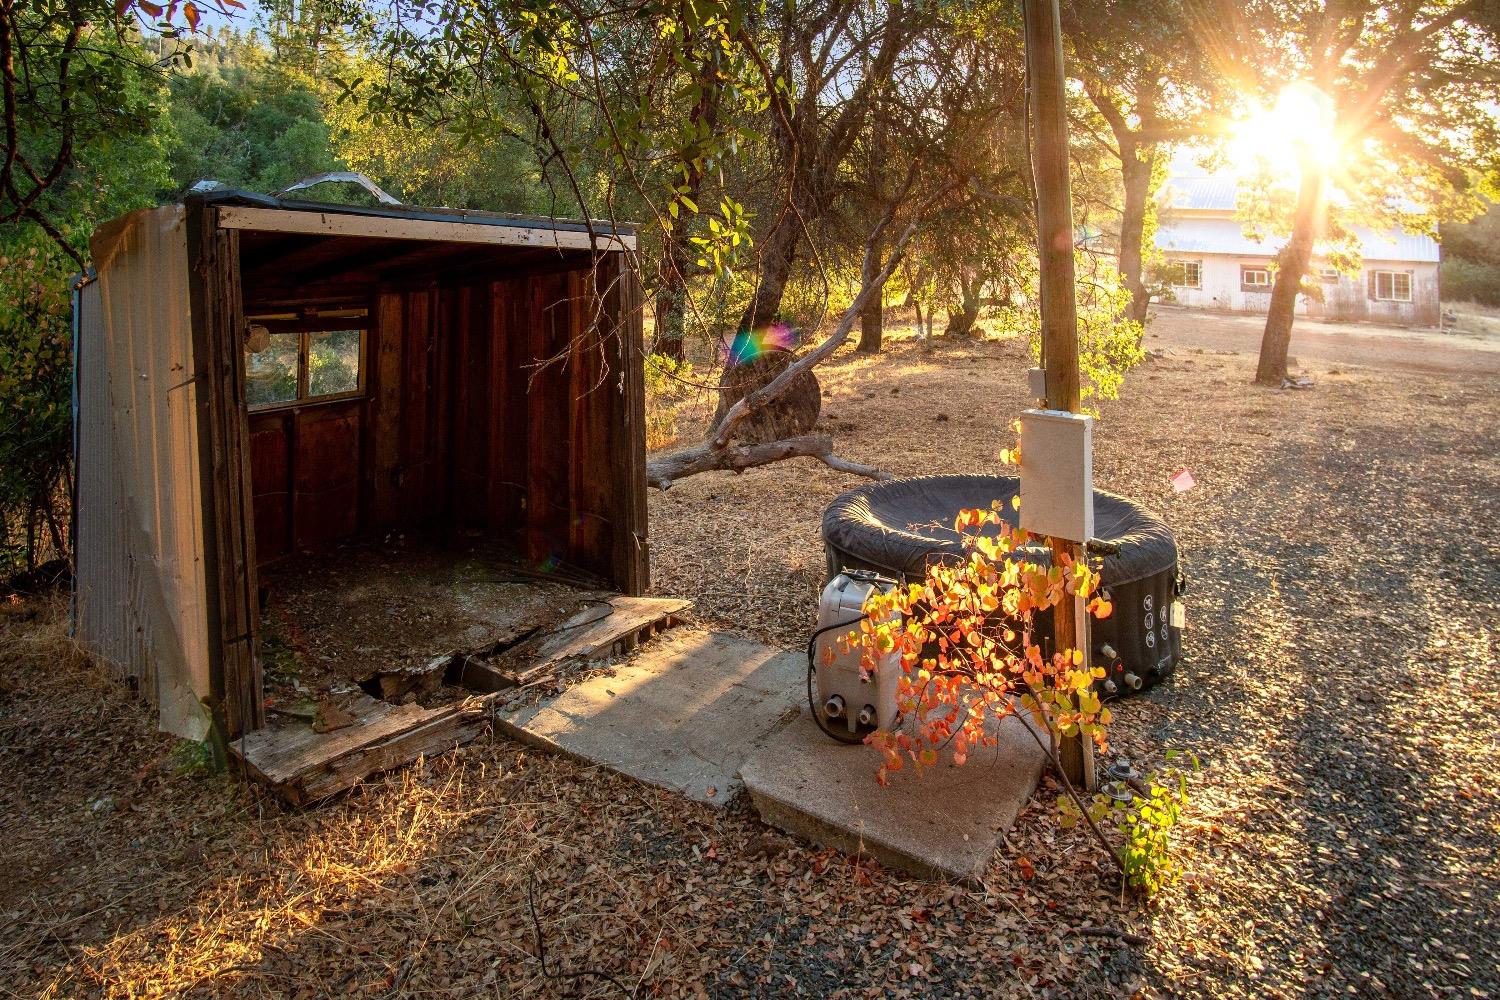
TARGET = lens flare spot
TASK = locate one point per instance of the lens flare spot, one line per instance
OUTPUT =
(748, 345)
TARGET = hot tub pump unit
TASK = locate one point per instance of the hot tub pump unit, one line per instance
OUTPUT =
(848, 702)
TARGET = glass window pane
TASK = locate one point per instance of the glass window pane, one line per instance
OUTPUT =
(333, 362)
(271, 371)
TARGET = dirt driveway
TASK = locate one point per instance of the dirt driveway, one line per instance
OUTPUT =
(1318, 345)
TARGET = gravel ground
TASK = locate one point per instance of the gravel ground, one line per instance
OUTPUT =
(1339, 685)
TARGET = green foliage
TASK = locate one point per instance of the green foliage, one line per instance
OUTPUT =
(1471, 259)
(1144, 815)
(1466, 280)
(669, 385)
(1109, 341)
(197, 759)
(243, 120)
(117, 162)
(36, 379)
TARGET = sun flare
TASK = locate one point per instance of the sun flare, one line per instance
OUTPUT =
(1274, 139)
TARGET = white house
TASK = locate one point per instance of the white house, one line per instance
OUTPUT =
(1212, 264)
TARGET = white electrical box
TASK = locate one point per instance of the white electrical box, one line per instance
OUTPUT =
(1057, 474)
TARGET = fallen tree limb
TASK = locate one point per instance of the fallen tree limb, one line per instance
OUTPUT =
(662, 472)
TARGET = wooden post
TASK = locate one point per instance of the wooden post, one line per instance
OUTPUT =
(1054, 225)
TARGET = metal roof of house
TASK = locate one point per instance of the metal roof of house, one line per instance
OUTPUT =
(1227, 236)
(1211, 192)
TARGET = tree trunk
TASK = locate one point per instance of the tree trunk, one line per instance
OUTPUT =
(872, 317)
(1136, 173)
(777, 254)
(671, 294)
(961, 323)
(671, 301)
(1292, 263)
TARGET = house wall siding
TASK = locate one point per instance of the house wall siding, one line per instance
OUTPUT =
(1346, 300)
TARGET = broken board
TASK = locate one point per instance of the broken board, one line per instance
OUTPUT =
(303, 765)
(613, 627)
(682, 714)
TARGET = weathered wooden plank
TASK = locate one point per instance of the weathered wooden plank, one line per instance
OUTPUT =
(626, 354)
(381, 227)
(304, 766)
(443, 730)
(505, 505)
(385, 411)
(617, 626)
(224, 463)
(549, 415)
(326, 473)
(416, 408)
(473, 674)
(590, 536)
(271, 482)
(469, 363)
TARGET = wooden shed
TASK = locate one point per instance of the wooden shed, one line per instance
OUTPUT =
(259, 377)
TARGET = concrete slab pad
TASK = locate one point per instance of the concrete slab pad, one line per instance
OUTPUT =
(682, 714)
(945, 823)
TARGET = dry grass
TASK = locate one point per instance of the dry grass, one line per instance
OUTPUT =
(1474, 318)
(1340, 684)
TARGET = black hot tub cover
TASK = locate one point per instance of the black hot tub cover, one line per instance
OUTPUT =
(896, 527)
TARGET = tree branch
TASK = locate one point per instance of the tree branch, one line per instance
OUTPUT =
(663, 472)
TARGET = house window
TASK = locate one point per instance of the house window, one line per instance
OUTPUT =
(1254, 278)
(284, 367)
(1328, 275)
(1390, 286)
(1185, 273)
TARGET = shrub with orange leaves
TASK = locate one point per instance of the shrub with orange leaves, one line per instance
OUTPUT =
(971, 651)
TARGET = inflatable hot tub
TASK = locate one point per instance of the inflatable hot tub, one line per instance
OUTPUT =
(898, 528)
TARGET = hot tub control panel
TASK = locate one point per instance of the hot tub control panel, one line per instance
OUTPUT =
(850, 699)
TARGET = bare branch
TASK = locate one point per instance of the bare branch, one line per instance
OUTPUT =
(663, 472)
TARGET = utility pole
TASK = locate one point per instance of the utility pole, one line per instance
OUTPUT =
(1054, 226)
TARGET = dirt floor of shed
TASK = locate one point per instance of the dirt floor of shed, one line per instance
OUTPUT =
(340, 617)
(1340, 686)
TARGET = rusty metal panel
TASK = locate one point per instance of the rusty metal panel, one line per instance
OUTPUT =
(142, 592)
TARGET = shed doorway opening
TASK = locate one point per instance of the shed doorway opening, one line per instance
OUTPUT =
(430, 430)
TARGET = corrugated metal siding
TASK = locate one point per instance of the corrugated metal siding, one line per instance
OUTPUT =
(142, 593)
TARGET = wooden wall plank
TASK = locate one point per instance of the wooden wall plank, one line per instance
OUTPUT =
(548, 422)
(626, 353)
(468, 326)
(384, 465)
(271, 483)
(592, 530)
(325, 478)
(509, 323)
(228, 507)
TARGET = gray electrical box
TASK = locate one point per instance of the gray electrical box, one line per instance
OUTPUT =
(1057, 474)
(1036, 380)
